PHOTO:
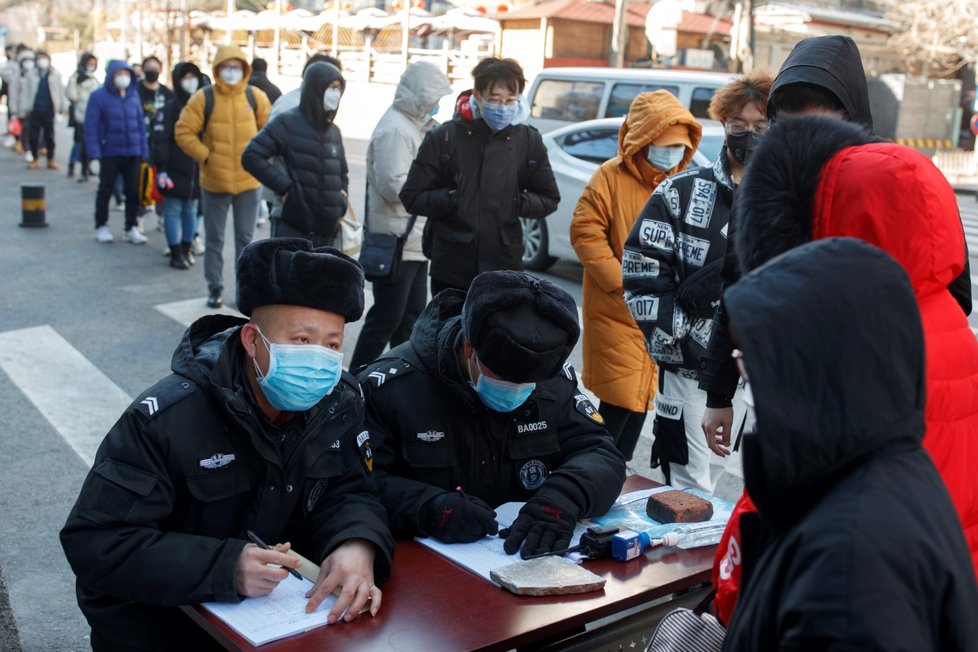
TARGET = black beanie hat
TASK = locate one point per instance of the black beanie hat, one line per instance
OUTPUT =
(290, 271)
(522, 327)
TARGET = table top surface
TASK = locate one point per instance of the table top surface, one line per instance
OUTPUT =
(429, 603)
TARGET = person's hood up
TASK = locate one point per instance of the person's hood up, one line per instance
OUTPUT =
(649, 115)
(466, 107)
(226, 53)
(832, 62)
(84, 60)
(114, 66)
(317, 79)
(179, 71)
(421, 85)
(815, 177)
(197, 355)
(435, 339)
(834, 354)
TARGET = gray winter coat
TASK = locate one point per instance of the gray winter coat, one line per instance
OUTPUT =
(394, 145)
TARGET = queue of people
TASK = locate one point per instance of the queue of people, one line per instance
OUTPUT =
(769, 302)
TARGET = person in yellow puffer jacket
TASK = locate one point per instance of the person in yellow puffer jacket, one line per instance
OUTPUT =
(216, 141)
(617, 367)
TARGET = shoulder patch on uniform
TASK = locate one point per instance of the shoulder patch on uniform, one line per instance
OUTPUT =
(163, 395)
(366, 453)
(569, 372)
(584, 405)
(385, 371)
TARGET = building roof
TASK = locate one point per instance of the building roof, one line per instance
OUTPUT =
(776, 13)
(704, 24)
(592, 11)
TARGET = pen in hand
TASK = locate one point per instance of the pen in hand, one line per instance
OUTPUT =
(261, 544)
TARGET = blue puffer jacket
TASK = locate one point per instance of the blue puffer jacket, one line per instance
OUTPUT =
(113, 122)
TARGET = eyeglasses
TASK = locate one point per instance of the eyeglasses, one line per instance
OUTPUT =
(739, 128)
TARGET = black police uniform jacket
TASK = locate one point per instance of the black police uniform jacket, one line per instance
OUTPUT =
(301, 153)
(856, 544)
(431, 433)
(189, 468)
(474, 184)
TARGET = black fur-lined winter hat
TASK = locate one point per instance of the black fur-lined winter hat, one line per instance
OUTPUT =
(522, 327)
(290, 271)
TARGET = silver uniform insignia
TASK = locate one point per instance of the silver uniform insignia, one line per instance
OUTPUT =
(217, 460)
(431, 435)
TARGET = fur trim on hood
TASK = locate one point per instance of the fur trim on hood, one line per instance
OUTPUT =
(775, 202)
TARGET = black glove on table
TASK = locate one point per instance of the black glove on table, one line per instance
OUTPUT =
(454, 517)
(546, 523)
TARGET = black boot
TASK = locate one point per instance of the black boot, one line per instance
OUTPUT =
(176, 258)
(187, 252)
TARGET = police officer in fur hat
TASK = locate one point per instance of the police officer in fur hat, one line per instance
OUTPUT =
(481, 408)
(258, 429)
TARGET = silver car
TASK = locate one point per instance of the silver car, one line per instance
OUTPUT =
(575, 153)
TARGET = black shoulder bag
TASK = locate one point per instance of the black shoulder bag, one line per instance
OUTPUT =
(381, 253)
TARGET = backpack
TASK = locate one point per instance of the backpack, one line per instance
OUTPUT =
(209, 105)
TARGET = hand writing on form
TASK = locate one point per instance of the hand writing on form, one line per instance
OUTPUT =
(351, 566)
(253, 576)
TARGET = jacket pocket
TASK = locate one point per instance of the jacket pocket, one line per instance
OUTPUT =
(217, 503)
(319, 477)
(536, 446)
(121, 493)
(434, 465)
(213, 487)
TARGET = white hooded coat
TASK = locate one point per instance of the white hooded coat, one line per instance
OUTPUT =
(394, 145)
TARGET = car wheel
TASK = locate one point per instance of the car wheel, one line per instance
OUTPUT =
(535, 255)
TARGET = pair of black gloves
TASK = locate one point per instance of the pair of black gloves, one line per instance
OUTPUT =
(545, 523)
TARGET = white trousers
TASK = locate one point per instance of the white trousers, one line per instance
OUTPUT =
(680, 403)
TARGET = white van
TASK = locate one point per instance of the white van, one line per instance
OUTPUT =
(561, 96)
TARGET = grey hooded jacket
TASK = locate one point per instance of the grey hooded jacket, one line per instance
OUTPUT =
(394, 145)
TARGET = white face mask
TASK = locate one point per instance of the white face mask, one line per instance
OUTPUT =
(232, 76)
(122, 81)
(43, 64)
(90, 70)
(189, 86)
(331, 99)
(666, 158)
(27, 64)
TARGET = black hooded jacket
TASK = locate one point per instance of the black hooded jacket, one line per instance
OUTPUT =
(855, 545)
(833, 63)
(315, 175)
(431, 433)
(474, 184)
(189, 468)
(167, 156)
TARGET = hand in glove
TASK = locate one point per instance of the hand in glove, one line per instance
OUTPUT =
(164, 181)
(454, 517)
(546, 523)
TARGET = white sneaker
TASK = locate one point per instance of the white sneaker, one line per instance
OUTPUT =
(121, 208)
(198, 246)
(135, 237)
(103, 234)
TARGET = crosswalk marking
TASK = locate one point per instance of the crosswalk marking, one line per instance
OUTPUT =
(189, 311)
(77, 399)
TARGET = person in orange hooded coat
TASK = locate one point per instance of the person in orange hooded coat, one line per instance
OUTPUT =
(617, 367)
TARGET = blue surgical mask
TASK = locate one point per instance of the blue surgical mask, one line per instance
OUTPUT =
(299, 375)
(498, 116)
(500, 395)
(433, 111)
(666, 158)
